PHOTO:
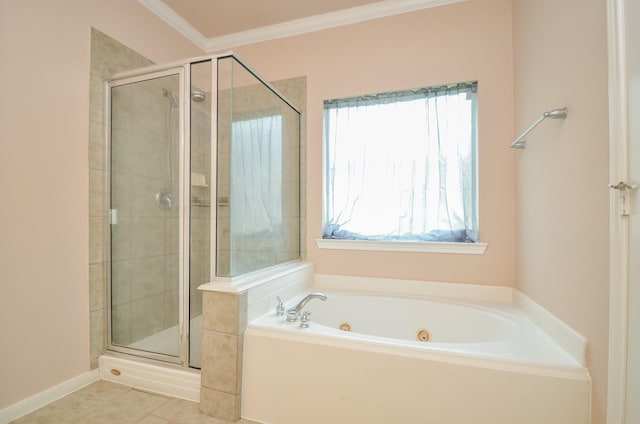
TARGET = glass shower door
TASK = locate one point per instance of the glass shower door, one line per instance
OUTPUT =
(258, 173)
(145, 215)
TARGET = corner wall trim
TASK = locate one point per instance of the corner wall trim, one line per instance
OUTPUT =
(47, 396)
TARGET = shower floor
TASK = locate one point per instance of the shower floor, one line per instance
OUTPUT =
(165, 342)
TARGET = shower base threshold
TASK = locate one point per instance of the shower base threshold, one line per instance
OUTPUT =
(166, 379)
(165, 342)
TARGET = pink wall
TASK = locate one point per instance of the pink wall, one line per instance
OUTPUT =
(562, 199)
(460, 42)
(44, 126)
(560, 57)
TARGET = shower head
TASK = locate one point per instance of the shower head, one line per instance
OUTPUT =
(173, 99)
(561, 113)
(556, 113)
(198, 96)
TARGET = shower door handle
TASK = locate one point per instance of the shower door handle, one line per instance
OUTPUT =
(622, 188)
(113, 216)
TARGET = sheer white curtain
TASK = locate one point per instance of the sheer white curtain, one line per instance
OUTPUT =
(402, 166)
(256, 175)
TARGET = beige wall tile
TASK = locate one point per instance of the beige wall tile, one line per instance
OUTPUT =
(220, 405)
(97, 99)
(220, 353)
(147, 237)
(120, 282)
(147, 317)
(98, 329)
(97, 287)
(109, 56)
(220, 312)
(172, 309)
(147, 277)
(121, 324)
(97, 227)
(97, 146)
(97, 199)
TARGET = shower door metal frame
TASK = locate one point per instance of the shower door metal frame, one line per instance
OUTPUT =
(184, 212)
(183, 69)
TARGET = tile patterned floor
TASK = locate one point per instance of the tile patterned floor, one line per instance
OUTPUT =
(106, 402)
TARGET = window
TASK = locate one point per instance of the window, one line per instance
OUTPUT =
(402, 166)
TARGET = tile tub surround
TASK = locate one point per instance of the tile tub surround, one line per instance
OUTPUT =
(224, 323)
(227, 308)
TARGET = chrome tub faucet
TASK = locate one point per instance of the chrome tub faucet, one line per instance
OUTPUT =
(294, 313)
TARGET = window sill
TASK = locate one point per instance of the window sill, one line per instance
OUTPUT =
(404, 246)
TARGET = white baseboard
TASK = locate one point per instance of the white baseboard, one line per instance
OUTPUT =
(44, 398)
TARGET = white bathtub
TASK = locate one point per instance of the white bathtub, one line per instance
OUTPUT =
(402, 318)
(486, 362)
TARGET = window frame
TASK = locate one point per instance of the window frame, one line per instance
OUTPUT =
(448, 247)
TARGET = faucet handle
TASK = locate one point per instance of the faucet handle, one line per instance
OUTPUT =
(280, 307)
(304, 319)
(292, 316)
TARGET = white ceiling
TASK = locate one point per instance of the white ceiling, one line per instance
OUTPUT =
(215, 25)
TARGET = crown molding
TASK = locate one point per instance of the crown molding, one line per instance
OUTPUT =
(176, 22)
(291, 28)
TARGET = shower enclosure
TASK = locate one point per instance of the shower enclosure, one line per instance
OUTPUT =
(204, 185)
